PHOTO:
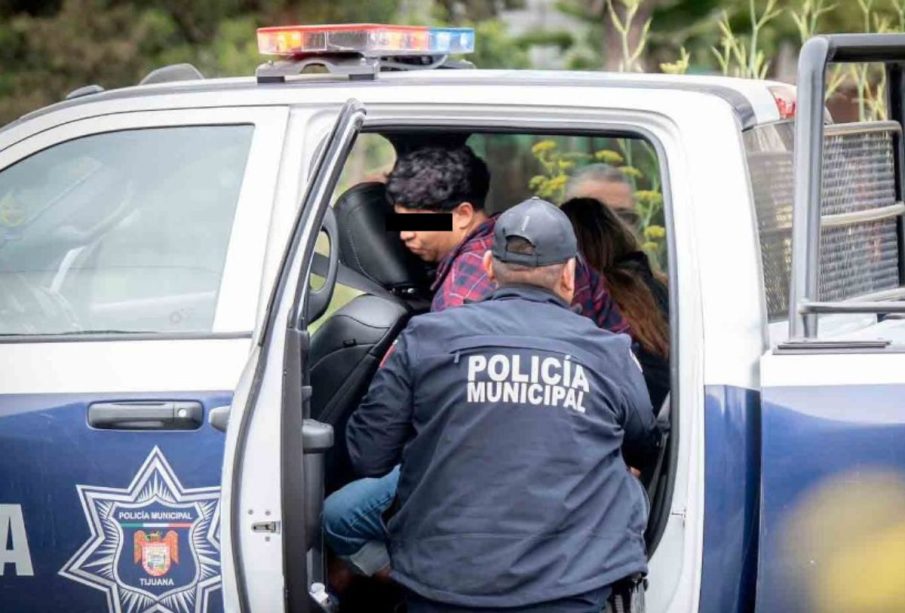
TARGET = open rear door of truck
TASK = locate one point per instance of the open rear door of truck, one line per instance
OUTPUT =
(272, 479)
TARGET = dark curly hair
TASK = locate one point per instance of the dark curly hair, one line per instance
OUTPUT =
(438, 178)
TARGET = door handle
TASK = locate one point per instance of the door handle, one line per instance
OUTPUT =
(146, 415)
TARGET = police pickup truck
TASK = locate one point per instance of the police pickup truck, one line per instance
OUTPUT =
(195, 285)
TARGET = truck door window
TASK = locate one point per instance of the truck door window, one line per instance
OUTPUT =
(119, 232)
(622, 173)
(342, 294)
(371, 159)
(549, 166)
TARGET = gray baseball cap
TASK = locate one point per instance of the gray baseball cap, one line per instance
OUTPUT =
(542, 224)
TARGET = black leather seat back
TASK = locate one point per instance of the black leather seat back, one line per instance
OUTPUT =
(366, 247)
(348, 347)
(345, 353)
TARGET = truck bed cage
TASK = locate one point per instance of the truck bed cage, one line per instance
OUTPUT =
(816, 54)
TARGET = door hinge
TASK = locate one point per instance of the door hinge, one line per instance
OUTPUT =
(680, 514)
(273, 527)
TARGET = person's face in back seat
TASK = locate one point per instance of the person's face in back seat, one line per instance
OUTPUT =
(439, 180)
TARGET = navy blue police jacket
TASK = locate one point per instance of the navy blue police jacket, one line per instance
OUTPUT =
(510, 417)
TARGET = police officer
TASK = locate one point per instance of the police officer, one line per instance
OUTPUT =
(510, 417)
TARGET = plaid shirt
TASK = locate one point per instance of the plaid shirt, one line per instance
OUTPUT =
(461, 277)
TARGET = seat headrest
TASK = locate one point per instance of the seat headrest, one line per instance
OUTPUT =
(366, 247)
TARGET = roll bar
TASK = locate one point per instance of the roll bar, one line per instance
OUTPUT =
(815, 55)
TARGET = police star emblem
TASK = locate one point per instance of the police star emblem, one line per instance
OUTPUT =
(153, 546)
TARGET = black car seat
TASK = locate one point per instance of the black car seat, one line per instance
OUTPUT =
(346, 350)
(367, 248)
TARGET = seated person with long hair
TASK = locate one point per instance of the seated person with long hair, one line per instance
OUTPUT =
(612, 249)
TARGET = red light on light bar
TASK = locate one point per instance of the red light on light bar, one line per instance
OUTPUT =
(370, 40)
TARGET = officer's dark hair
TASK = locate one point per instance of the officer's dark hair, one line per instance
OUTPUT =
(507, 273)
(438, 178)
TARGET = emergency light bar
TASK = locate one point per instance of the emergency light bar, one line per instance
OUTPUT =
(365, 39)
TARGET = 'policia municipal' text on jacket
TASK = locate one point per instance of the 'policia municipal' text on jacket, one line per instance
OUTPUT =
(509, 416)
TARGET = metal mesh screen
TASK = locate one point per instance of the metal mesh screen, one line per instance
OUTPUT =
(858, 174)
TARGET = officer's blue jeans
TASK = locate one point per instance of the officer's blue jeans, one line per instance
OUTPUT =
(353, 522)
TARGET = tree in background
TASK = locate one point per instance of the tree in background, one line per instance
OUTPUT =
(49, 48)
(664, 27)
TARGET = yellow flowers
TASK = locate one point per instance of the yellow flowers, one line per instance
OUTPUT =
(608, 156)
(655, 245)
(542, 147)
(631, 171)
(649, 198)
(654, 232)
(680, 66)
(549, 188)
(557, 165)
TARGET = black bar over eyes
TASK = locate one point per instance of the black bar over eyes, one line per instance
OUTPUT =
(419, 222)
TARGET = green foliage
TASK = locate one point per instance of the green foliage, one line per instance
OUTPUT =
(649, 204)
(607, 156)
(551, 184)
(81, 44)
(48, 49)
(494, 48)
(871, 104)
(807, 17)
(623, 26)
(680, 66)
(743, 58)
(458, 12)
(870, 100)
(585, 51)
(233, 50)
(563, 40)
